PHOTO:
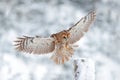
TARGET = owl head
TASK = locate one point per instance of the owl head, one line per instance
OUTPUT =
(61, 37)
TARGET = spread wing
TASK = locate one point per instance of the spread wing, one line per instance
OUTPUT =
(82, 26)
(35, 45)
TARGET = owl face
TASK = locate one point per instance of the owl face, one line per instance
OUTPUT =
(61, 37)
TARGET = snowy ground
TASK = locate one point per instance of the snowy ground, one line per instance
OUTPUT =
(44, 17)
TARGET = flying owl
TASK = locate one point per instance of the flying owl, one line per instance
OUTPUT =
(61, 44)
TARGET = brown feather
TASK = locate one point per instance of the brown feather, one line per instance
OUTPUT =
(82, 26)
(35, 45)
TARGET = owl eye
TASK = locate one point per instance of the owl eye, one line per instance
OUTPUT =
(64, 37)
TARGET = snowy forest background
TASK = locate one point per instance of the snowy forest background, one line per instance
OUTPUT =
(44, 17)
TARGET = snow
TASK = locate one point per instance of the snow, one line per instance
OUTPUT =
(43, 17)
(84, 69)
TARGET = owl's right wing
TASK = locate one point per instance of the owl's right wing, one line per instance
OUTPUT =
(35, 45)
(82, 26)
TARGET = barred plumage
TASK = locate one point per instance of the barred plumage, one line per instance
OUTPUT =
(61, 43)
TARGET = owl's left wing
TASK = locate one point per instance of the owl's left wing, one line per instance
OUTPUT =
(36, 45)
(82, 26)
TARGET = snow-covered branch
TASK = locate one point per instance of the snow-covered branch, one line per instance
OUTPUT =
(84, 69)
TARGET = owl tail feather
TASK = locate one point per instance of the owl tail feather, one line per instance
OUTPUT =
(60, 57)
(60, 60)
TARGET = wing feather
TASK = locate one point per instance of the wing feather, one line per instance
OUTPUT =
(35, 45)
(82, 26)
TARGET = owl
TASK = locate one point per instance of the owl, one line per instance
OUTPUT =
(60, 45)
